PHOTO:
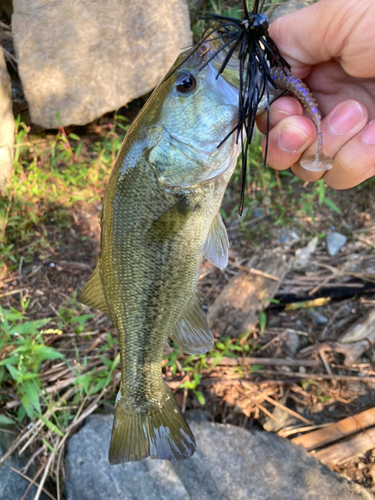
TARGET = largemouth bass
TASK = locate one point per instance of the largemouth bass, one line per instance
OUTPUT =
(160, 216)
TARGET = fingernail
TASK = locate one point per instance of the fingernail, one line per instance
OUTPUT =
(292, 139)
(345, 118)
(368, 135)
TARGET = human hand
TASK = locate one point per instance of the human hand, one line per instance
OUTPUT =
(331, 46)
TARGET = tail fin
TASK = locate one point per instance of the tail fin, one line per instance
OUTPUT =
(161, 432)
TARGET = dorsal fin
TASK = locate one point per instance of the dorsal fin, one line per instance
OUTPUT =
(92, 294)
(216, 247)
(192, 332)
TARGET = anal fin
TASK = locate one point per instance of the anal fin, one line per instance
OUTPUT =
(216, 247)
(192, 332)
(92, 294)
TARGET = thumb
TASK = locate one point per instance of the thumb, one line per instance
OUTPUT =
(329, 29)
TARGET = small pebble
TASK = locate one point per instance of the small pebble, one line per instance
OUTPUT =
(318, 318)
(288, 238)
(285, 369)
(292, 342)
(335, 242)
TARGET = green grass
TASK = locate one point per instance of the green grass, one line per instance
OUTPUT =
(50, 175)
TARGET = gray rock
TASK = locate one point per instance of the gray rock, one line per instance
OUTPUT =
(81, 58)
(288, 8)
(6, 124)
(12, 485)
(196, 415)
(230, 463)
(288, 237)
(292, 341)
(335, 242)
(318, 318)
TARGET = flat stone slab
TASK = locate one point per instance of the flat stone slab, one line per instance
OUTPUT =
(230, 463)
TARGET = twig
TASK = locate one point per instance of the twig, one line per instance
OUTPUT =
(84, 415)
(36, 484)
(30, 485)
(247, 223)
(256, 272)
(325, 361)
(226, 361)
(58, 471)
(31, 430)
(291, 330)
(312, 376)
(271, 342)
(183, 409)
(264, 410)
(8, 431)
(13, 292)
(289, 431)
(79, 265)
(44, 477)
(282, 407)
(33, 457)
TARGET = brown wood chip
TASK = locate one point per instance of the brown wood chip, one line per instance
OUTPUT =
(342, 452)
(337, 430)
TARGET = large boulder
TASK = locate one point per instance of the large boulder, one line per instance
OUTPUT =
(6, 124)
(230, 463)
(83, 58)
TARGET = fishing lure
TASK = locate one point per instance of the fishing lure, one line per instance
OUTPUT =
(261, 70)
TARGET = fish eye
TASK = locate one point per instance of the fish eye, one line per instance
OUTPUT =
(185, 83)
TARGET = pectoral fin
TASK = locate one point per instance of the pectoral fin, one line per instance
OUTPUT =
(170, 222)
(216, 247)
(192, 333)
(92, 294)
